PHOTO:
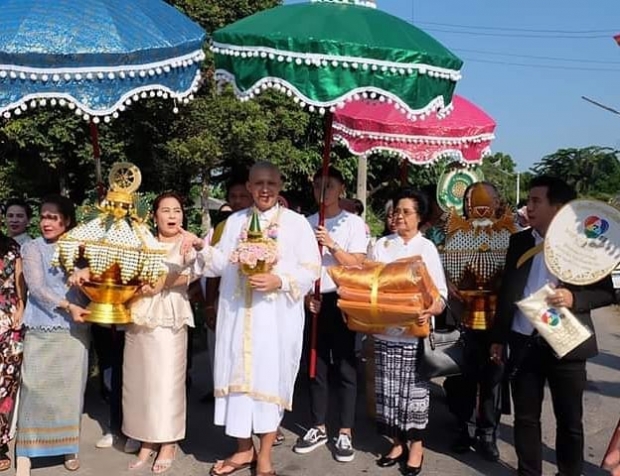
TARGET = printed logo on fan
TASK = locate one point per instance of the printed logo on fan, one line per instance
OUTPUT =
(551, 317)
(595, 227)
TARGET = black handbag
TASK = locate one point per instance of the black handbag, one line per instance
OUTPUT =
(443, 353)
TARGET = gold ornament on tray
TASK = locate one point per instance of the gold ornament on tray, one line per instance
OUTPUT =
(257, 252)
(117, 246)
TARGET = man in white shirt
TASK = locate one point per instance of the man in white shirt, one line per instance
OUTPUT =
(344, 241)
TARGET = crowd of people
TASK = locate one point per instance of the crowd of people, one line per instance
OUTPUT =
(258, 329)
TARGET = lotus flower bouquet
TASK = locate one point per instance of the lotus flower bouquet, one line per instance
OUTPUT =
(257, 252)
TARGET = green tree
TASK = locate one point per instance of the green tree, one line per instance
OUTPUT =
(215, 14)
(50, 151)
(593, 171)
(500, 170)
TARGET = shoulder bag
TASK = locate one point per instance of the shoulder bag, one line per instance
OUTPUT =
(442, 354)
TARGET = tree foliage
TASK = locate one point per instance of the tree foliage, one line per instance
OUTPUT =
(196, 151)
(593, 171)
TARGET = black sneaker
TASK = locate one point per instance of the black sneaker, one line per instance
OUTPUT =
(343, 449)
(313, 438)
(488, 450)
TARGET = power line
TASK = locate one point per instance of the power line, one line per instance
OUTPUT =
(610, 31)
(596, 103)
(546, 58)
(544, 66)
(515, 35)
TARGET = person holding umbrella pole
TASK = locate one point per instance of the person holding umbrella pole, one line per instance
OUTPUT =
(343, 240)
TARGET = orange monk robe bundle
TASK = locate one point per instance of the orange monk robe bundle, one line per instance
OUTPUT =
(385, 298)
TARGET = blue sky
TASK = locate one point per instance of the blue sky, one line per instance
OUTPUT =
(538, 108)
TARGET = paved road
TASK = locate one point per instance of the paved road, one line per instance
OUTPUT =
(205, 443)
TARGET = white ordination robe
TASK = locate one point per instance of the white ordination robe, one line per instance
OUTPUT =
(259, 336)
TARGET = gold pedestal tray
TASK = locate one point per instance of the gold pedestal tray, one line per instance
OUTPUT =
(260, 268)
(108, 302)
(479, 311)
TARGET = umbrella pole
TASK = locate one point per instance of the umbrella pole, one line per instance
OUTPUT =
(94, 137)
(329, 119)
(404, 173)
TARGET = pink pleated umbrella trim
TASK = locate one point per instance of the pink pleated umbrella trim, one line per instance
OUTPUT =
(366, 127)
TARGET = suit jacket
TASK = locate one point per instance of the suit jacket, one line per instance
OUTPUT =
(514, 280)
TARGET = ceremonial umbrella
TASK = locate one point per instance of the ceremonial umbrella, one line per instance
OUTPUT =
(95, 56)
(367, 127)
(327, 52)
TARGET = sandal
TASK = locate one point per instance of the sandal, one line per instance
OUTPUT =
(72, 462)
(280, 438)
(138, 463)
(22, 466)
(162, 465)
(5, 463)
(231, 464)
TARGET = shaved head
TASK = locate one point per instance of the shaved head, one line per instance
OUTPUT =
(265, 166)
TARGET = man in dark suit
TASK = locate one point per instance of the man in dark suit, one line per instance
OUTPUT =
(532, 362)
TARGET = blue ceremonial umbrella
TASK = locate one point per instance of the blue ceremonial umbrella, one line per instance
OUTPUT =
(95, 56)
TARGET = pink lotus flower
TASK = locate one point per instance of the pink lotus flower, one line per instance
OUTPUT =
(250, 253)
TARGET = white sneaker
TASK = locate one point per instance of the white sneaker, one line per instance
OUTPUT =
(313, 438)
(343, 450)
(132, 446)
(106, 441)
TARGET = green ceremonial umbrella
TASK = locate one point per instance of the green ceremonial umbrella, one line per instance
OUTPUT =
(326, 52)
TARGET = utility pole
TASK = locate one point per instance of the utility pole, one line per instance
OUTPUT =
(362, 179)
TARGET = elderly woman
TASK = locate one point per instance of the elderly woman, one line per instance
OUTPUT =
(403, 397)
(55, 358)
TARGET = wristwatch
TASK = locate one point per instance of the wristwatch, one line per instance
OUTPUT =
(335, 248)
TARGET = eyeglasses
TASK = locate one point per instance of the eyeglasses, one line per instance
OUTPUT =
(405, 212)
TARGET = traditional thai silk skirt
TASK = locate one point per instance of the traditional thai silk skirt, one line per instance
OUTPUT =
(402, 394)
(154, 392)
(54, 373)
(11, 352)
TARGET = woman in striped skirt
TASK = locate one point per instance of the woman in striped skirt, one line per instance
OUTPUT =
(55, 357)
(402, 394)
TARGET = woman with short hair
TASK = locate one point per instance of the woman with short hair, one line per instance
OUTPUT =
(403, 397)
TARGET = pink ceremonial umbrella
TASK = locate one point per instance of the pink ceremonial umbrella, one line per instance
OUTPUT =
(366, 127)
